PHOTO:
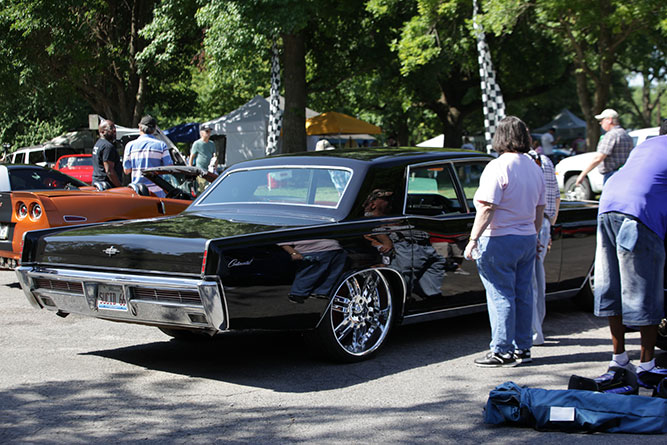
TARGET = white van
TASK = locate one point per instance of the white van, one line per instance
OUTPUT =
(44, 155)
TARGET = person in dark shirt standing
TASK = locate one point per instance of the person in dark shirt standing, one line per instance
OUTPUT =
(107, 169)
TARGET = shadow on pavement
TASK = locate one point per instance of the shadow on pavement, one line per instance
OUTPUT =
(283, 362)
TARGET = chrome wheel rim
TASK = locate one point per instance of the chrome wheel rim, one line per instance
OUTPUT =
(361, 312)
(576, 193)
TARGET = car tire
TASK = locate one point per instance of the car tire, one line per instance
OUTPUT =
(358, 318)
(582, 192)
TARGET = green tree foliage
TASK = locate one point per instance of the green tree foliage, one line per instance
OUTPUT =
(323, 43)
(438, 61)
(593, 34)
(645, 57)
(73, 57)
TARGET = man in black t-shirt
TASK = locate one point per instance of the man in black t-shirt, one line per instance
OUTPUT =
(107, 167)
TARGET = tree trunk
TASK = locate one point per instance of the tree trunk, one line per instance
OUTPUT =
(294, 117)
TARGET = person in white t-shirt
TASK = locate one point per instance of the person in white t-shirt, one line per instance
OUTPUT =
(510, 205)
(548, 141)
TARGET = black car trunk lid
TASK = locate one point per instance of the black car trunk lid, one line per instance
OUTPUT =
(173, 244)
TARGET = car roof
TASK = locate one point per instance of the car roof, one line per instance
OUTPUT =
(78, 155)
(382, 156)
(24, 166)
(652, 131)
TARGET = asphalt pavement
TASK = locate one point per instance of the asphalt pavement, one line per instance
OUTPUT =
(89, 381)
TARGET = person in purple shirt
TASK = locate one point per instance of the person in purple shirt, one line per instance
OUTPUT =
(630, 256)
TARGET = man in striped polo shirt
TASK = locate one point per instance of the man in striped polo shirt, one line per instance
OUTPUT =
(144, 152)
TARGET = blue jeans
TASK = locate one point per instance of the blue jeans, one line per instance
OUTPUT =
(318, 272)
(629, 270)
(539, 282)
(506, 268)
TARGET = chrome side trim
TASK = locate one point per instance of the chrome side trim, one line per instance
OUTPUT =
(444, 313)
(211, 315)
(473, 308)
(158, 273)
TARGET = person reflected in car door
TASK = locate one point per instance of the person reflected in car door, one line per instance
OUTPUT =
(319, 263)
(407, 250)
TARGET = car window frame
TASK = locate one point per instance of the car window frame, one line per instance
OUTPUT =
(460, 185)
(447, 164)
(198, 202)
(461, 196)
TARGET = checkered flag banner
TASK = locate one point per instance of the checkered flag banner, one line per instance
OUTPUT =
(275, 115)
(492, 98)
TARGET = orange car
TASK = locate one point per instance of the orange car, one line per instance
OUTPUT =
(40, 198)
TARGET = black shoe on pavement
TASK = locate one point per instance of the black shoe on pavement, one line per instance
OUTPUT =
(522, 356)
(615, 380)
(496, 360)
(650, 379)
(299, 299)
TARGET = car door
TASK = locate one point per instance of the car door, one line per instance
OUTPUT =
(439, 213)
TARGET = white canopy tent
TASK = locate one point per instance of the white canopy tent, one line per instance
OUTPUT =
(436, 142)
(246, 129)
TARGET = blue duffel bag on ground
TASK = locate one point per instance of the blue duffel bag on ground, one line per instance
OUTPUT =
(575, 410)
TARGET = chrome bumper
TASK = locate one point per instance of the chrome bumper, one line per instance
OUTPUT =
(154, 301)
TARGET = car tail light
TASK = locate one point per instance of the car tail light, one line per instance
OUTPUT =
(21, 210)
(203, 263)
(35, 211)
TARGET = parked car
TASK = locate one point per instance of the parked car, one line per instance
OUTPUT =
(42, 155)
(568, 169)
(77, 166)
(343, 245)
(41, 198)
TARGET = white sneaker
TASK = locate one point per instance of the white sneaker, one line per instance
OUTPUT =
(629, 366)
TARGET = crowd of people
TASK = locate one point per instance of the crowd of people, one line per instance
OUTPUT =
(517, 203)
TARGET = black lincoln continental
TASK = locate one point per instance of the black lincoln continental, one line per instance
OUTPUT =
(342, 245)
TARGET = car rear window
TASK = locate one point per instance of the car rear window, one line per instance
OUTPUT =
(74, 161)
(41, 179)
(309, 186)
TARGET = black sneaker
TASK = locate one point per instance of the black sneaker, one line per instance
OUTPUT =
(650, 379)
(522, 356)
(615, 381)
(496, 360)
(298, 299)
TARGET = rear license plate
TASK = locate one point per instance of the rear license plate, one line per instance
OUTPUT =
(4, 231)
(111, 298)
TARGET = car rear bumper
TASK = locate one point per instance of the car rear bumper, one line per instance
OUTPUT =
(150, 300)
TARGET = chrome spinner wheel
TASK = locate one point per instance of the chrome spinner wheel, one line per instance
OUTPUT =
(359, 317)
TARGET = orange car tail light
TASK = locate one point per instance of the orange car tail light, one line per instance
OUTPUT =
(21, 210)
(36, 211)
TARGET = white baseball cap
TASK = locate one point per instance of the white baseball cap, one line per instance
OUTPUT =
(607, 113)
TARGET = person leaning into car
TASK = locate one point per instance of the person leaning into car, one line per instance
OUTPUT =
(107, 169)
(510, 204)
(613, 150)
(144, 152)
